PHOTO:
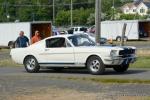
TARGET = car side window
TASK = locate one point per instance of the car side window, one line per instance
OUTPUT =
(55, 43)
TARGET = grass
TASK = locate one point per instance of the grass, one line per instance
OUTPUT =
(4, 50)
(133, 43)
(104, 80)
(8, 63)
(142, 62)
(143, 59)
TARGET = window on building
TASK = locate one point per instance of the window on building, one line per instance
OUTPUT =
(142, 10)
(134, 10)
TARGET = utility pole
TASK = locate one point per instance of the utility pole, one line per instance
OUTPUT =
(53, 11)
(98, 21)
(7, 12)
(71, 22)
(33, 16)
(113, 7)
(123, 34)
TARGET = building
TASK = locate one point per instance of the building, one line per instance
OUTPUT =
(140, 7)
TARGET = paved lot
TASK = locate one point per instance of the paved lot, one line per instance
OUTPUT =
(15, 81)
(17, 84)
(132, 73)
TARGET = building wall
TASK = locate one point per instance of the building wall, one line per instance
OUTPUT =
(141, 9)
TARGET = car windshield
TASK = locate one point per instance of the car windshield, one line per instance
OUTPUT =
(81, 40)
(83, 29)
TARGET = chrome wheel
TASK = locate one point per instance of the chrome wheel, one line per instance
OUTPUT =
(95, 65)
(31, 64)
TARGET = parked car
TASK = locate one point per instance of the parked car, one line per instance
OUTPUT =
(91, 29)
(73, 51)
(55, 31)
(92, 36)
(76, 30)
(63, 32)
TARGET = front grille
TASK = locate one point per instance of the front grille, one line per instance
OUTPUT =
(126, 52)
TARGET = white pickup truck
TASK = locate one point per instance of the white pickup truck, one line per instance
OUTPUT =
(77, 30)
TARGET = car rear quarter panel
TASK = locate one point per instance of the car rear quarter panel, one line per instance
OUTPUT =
(19, 54)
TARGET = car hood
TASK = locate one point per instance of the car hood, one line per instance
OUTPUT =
(107, 48)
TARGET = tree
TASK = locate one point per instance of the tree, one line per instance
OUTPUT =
(132, 16)
(63, 18)
(42, 10)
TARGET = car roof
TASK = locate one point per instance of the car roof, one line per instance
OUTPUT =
(65, 35)
(79, 27)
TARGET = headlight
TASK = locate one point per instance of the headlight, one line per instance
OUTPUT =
(113, 53)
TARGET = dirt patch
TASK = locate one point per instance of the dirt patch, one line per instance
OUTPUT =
(56, 94)
(133, 98)
(67, 94)
(143, 52)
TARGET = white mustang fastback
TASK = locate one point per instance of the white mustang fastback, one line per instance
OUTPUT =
(67, 51)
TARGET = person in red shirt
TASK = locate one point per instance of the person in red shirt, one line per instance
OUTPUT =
(36, 37)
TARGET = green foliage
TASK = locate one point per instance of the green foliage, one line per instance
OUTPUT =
(142, 62)
(42, 10)
(132, 16)
(91, 19)
(63, 18)
(79, 17)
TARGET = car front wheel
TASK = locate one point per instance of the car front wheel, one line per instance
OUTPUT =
(95, 65)
(31, 64)
(121, 68)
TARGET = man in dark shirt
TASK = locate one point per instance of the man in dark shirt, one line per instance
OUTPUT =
(22, 41)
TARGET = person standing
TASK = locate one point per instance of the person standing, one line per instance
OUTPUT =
(36, 37)
(22, 41)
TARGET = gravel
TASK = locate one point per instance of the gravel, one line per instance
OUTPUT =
(14, 80)
(11, 85)
(23, 83)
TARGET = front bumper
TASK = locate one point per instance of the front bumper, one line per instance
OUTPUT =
(119, 60)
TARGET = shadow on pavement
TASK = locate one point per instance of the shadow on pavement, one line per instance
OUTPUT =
(84, 71)
(130, 71)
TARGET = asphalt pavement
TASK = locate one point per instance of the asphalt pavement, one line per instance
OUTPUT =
(18, 81)
(15, 80)
(132, 73)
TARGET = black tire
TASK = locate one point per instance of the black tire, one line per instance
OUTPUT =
(95, 65)
(118, 39)
(31, 65)
(11, 44)
(121, 68)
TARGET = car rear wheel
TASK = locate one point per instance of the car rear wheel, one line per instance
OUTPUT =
(121, 68)
(95, 65)
(31, 64)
